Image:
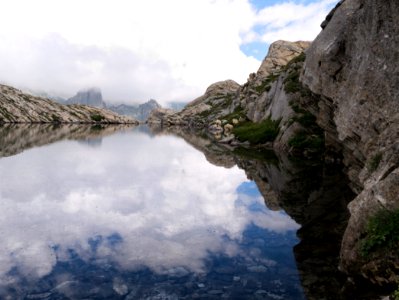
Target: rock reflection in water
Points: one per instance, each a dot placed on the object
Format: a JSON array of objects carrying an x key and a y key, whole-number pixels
[
  {"x": 136, "y": 218},
  {"x": 314, "y": 194}
]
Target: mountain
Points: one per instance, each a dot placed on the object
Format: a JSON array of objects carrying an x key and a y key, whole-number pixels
[
  {"x": 91, "y": 97},
  {"x": 19, "y": 107},
  {"x": 139, "y": 112},
  {"x": 336, "y": 99}
]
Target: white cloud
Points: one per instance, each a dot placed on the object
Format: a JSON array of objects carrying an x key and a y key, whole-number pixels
[
  {"x": 135, "y": 50},
  {"x": 289, "y": 21}
]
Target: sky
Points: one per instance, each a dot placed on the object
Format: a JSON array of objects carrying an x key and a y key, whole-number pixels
[{"x": 134, "y": 50}]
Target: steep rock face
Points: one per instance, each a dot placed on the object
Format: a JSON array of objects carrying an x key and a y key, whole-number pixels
[
  {"x": 263, "y": 95},
  {"x": 18, "y": 107},
  {"x": 140, "y": 112},
  {"x": 353, "y": 66},
  {"x": 91, "y": 97}
]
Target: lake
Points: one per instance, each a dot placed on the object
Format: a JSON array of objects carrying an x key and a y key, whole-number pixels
[{"x": 92, "y": 212}]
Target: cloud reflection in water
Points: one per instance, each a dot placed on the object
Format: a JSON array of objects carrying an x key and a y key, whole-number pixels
[{"x": 133, "y": 201}]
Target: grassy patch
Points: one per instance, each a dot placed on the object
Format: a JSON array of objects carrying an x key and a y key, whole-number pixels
[
  {"x": 375, "y": 162},
  {"x": 97, "y": 118},
  {"x": 257, "y": 133},
  {"x": 382, "y": 232},
  {"x": 303, "y": 141}
]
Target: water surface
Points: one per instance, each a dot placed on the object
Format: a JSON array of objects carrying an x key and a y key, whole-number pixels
[{"x": 130, "y": 215}]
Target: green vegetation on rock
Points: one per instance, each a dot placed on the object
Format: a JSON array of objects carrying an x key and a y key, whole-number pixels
[
  {"x": 382, "y": 232},
  {"x": 97, "y": 118},
  {"x": 304, "y": 141},
  {"x": 396, "y": 294},
  {"x": 257, "y": 133},
  {"x": 300, "y": 58},
  {"x": 291, "y": 82},
  {"x": 55, "y": 118},
  {"x": 238, "y": 113},
  {"x": 375, "y": 162},
  {"x": 265, "y": 86}
]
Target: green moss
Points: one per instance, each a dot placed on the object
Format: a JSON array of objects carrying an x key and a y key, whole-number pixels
[
  {"x": 303, "y": 141},
  {"x": 382, "y": 232},
  {"x": 375, "y": 162},
  {"x": 257, "y": 133},
  {"x": 97, "y": 118}
]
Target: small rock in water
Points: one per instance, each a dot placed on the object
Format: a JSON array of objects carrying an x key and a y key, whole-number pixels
[
  {"x": 236, "y": 278},
  {"x": 257, "y": 269},
  {"x": 38, "y": 296},
  {"x": 215, "y": 292},
  {"x": 201, "y": 285},
  {"x": 178, "y": 272},
  {"x": 120, "y": 287}
]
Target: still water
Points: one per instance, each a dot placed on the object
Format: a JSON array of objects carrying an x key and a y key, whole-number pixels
[{"x": 131, "y": 215}]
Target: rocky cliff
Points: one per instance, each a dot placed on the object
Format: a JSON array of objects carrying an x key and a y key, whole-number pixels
[
  {"x": 353, "y": 67},
  {"x": 18, "y": 107},
  {"x": 91, "y": 97}
]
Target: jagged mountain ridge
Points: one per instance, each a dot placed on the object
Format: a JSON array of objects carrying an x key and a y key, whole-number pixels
[{"x": 139, "y": 112}]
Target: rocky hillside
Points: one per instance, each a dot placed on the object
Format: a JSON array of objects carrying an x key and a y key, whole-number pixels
[
  {"x": 91, "y": 97},
  {"x": 338, "y": 99},
  {"x": 139, "y": 112},
  {"x": 266, "y": 108},
  {"x": 18, "y": 107}
]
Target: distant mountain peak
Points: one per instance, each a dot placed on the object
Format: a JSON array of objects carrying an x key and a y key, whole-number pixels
[{"x": 90, "y": 96}]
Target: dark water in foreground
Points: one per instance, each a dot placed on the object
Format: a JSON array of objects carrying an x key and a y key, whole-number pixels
[{"x": 103, "y": 213}]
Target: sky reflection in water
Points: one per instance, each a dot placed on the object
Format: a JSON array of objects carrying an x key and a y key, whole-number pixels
[{"x": 132, "y": 202}]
